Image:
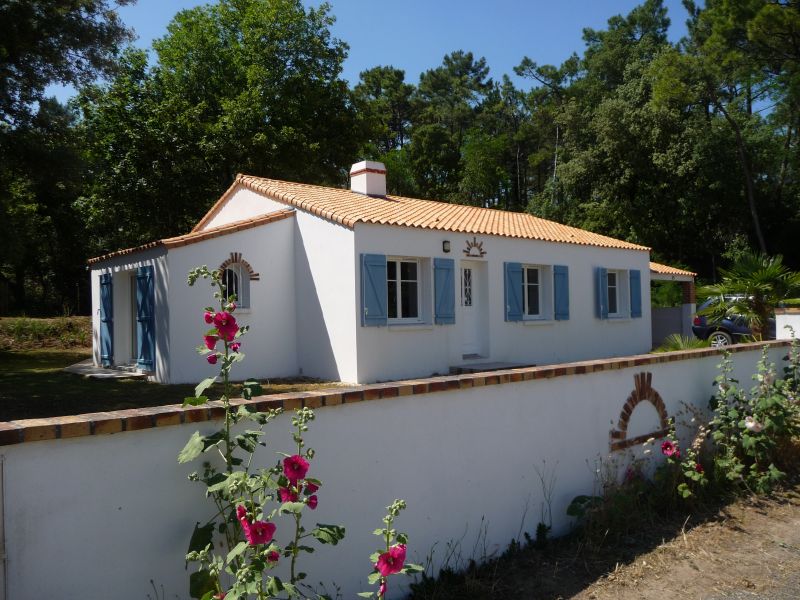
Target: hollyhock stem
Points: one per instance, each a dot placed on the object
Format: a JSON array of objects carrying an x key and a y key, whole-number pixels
[{"x": 295, "y": 550}]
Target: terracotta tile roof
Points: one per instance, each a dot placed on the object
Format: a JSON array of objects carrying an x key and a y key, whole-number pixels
[
  {"x": 348, "y": 208},
  {"x": 199, "y": 236},
  {"x": 667, "y": 270}
]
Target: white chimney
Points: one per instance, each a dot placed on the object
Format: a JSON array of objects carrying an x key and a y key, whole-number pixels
[{"x": 368, "y": 177}]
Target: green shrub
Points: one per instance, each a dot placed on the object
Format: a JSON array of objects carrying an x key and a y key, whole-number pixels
[{"x": 18, "y": 333}]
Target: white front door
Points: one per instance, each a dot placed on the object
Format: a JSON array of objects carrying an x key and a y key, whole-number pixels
[{"x": 470, "y": 309}]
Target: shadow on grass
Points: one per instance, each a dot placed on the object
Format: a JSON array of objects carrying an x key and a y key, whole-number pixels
[{"x": 33, "y": 385}]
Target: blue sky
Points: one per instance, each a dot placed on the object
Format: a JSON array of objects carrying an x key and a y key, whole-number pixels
[{"x": 414, "y": 35}]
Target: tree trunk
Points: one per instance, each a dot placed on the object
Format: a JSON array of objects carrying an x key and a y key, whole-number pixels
[
  {"x": 785, "y": 162},
  {"x": 748, "y": 177}
]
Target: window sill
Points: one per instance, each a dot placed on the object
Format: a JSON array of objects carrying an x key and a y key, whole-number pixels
[
  {"x": 619, "y": 319},
  {"x": 537, "y": 322},
  {"x": 410, "y": 327}
]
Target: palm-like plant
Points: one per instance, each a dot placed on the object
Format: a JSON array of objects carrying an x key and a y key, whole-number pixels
[{"x": 751, "y": 289}]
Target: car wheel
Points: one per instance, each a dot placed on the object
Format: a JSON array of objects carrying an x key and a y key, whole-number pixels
[{"x": 719, "y": 338}]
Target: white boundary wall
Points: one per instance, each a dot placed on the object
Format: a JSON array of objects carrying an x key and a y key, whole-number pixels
[{"x": 100, "y": 516}]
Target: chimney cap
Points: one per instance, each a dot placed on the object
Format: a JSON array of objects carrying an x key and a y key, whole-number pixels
[
  {"x": 368, "y": 177},
  {"x": 368, "y": 166}
]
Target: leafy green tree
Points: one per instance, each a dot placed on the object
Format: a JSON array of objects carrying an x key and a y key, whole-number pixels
[
  {"x": 384, "y": 102},
  {"x": 46, "y": 41},
  {"x": 752, "y": 288},
  {"x": 447, "y": 101},
  {"x": 237, "y": 86},
  {"x": 40, "y": 176}
]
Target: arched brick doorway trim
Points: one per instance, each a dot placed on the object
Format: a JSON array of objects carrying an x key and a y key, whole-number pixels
[{"x": 642, "y": 392}]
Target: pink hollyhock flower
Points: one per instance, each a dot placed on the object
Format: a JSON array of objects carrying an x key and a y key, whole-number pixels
[
  {"x": 226, "y": 325},
  {"x": 391, "y": 562},
  {"x": 260, "y": 532},
  {"x": 668, "y": 448},
  {"x": 677, "y": 455},
  {"x": 210, "y": 341},
  {"x": 295, "y": 467},
  {"x": 311, "y": 488},
  {"x": 235, "y": 346},
  {"x": 287, "y": 495},
  {"x": 209, "y": 317},
  {"x": 273, "y": 556},
  {"x": 241, "y": 513},
  {"x": 699, "y": 468},
  {"x": 220, "y": 596},
  {"x": 232, "y": 307},
  {"x": 382, "y": 590},
  {"x": 312, "y": 502},
  {"x": 212, "y": 359}
]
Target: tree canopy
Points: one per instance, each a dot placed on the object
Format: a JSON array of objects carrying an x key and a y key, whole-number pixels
[
  {"x": 49, "y": 41},
  {"x": 690, "y": 148}
]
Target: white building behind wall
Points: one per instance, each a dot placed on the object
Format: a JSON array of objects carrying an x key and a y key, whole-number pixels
[{"x": 358, "y": 286}]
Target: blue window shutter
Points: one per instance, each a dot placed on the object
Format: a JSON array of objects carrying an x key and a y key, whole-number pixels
[
  {"x": 513, "y": 291},
  {"x": 373, "y": 290},
  {"x": 445, "y": 291},
  {"x": 601, "y": 292},
  {"x": 636, "y": 293},
  {"x": 145, "y": 321},
  {"x": 106, "y": 320},
  {"x": 561, "y": 292}
]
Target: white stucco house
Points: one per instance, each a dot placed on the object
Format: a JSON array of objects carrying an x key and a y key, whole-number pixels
[{"x": 359, "y": 286}]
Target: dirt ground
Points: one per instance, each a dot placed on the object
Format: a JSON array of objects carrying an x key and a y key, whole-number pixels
[
  {"x": 746, "y": 550},
  {"x": 752, "y": 550}
]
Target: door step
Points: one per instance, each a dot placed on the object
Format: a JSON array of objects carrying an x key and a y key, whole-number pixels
[
  {"x": 487, "y": 366},
  {"x": 88, "y": 369}
]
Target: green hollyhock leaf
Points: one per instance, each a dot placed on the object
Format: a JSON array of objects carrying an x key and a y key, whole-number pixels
[
  {"x": 200, "y": 583},
  {"x": 328, "y": 534},
  {"x": 237, "y": 550},
  {"x": 193, "y": 448},
  {"x": 373, "y": 578},
  {"x": 292, "y": 507},
  {"x": 194, "y": 401},
  {"x": 204, "y": 385}
]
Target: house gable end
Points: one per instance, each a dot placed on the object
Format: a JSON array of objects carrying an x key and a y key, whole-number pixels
[{"x": 238, "y": 203}]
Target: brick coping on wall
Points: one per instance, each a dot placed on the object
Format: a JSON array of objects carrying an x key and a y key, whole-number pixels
[{"x": 73, "y": 426}]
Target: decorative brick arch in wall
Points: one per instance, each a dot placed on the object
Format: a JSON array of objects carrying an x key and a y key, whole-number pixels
[
  {"x": 642, "y": 392},
  {"x": 236, "y": 257}
]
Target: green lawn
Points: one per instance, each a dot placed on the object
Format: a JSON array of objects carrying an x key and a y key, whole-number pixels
[{"x": 33, "y": 385}]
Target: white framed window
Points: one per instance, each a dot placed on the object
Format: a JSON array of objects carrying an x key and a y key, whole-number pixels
[
  {"x": 532, "y": 287},
  {"x": 236, "y": 279},
  {"x": 403, "y": 290},
  {"x": 618, "y": 294},
  {"x": 537, "y": 292},
  {"x": 613, "y": 294}
]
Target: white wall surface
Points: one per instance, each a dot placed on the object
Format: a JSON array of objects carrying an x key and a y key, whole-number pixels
[
  {"x": 326, "y": 298},
  {"x": 400, "y": 351},
  {"x": 787, "y": 323},
  {"x": 122, "y": 267},
  {"x": 270, "y": 345},
  {"x": 243, "y": 204},
  {"x": 99, "y": 517}
]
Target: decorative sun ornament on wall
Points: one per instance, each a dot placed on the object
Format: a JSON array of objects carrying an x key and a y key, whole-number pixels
[{"x": 474, "y": 248}]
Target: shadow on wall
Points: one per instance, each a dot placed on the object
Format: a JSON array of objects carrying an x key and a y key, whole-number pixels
[
  {"x": 162, "y": 321},
  {"x": 315, "y": 355}
]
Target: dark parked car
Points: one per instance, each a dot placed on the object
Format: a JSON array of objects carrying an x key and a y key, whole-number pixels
[{"x": 729, "y": 330}]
